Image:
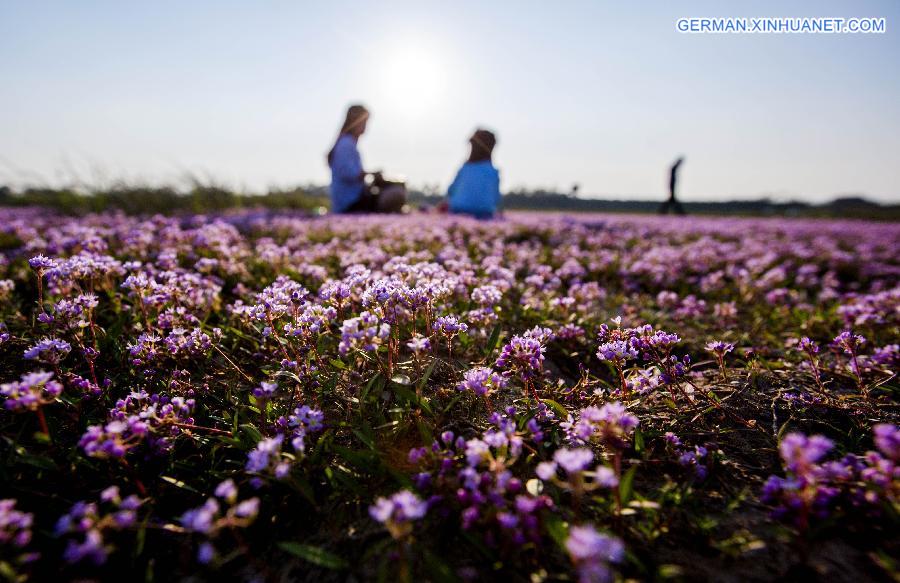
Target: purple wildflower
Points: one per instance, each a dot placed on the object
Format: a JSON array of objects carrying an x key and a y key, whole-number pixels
[
  {"x": 592, "y": 553},
  {"x": 398, "y": 512}
]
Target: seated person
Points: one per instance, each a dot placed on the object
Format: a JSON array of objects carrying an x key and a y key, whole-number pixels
[
  {"x": 349, "y": 192},
  {"x": 476, "y": 189}
]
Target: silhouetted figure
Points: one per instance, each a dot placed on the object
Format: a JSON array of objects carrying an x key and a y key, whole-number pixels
[
  {"x": 673, "y": 182},
  {"x": 476, "y": 189},
  {"x": 349, "y": 190}
]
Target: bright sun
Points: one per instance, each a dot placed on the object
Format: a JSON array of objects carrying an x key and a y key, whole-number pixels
[{"x": 413, "y": 80}]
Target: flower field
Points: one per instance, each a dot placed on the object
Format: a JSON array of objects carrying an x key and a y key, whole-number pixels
[{"x": 271, "y": 397}]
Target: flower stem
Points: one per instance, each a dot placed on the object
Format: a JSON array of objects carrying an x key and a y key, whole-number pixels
[
  {"x": 202, "y": 428},
  {"x": 43, "y": 421}
]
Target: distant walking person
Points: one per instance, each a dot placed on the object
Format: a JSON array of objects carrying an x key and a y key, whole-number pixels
[
  {"x": 476, "y": 189},
  {"x": 673, "y": 182},
  {"x": 349, "y": 191}
]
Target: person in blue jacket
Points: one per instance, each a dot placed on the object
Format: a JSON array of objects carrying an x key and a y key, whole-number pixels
[
  {"x": 349, "y": 193},
  {"x": 476, "y": 189}
]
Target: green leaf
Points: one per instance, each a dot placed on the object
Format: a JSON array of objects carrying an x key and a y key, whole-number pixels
[
  {"x": 783, "y": 428},
  {"x": 626, "y": 488},
  {"x": 343, "y": 479},
  {"x": 369, "y": 387},
  {"x": 141, "y": 538},
  {"x": 179, "y": 484},
  {"x": 288, "y": 374},
  {"x": 437, "y": 569},
  {"x": 638, "y": 440},
  {"x": 410, "y": 397},
  {"x": 8, "y": 572},
  {"x": 452, "y": 402},
  {"x": 303, "y": 486},
  {"x": 492, "y": 341},
  {"x": 315, "y": 555},
  {"x": 366, "y": 461},
  {"x": 556, "y": 407},
  {"x": 36, "y": 461},
  {"x": 252, "y": 432},
  {"x": 425, "y": 405},
  {"x": 558, "y": 530},
  {"x": 426, "y": 376},
  {"x": 338, "y": 363},
  {"x": 425, "y": 431},
  {"x": 365, "y": 435},
  {"x": 478, "y": 545}
]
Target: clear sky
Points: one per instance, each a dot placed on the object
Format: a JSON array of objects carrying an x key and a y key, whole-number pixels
[{"x": 597, "y": 92}]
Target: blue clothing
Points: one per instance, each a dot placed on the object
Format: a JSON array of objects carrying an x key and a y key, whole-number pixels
[
  {"x": 475, "y": 190},
  {"x": 347, "y": 182}
]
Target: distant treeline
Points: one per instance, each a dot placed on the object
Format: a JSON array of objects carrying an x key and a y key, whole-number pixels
[
  {"x": 206, "y": 198},
  {"x": 199, "y": 198},
  {"x": 845, "y": 207}
]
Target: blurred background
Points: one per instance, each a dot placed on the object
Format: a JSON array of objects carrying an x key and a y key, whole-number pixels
[{"x": 238, "y": 98}]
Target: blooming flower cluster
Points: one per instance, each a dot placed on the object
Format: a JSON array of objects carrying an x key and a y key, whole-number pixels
[
  {"x": 398, "y": 512},
  {"x": 814, "y": 489},
  {"x": 15, "y": 525},
  {"x": 364, "y": 332},
  {"x": 50, "y": 350},
  {"x": 115, "y": 438},
  {"x": 695, "y": 458},
  {"x": 449, "y": 326},
  {"x": 719, "y": 350},
  {"x": 268, "y": 458},
  {"x": 219, "y": 513},
  {"x": 419, "y": 345},
  {"x": 620, "y": 346},
  {"x": 88, "y": 525},
  {"x": 34, "y": 390},
  {"x": 523, "y": 355},
  {"x": 265, "y": 391},
  {"x": 179, "y": 343},
  {"x": 482, "y": 381},
  {"x": 610, "y": 425},
  {"x": 198, "y": 347},
  {"x": 593, "y": 553},
  {"x": 476, "y": 480},
  {"x": 575, "y": 464},
  {"x": 304, "y": 421},
  {"x": 135, "y": 419},
  {"x": 72, "y": 314}
]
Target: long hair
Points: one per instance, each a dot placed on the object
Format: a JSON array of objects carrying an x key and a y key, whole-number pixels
[{"x": 356, "y": 114}]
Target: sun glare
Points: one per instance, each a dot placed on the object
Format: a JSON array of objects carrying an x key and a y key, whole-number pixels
[{"x": 413, "y": 80}]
